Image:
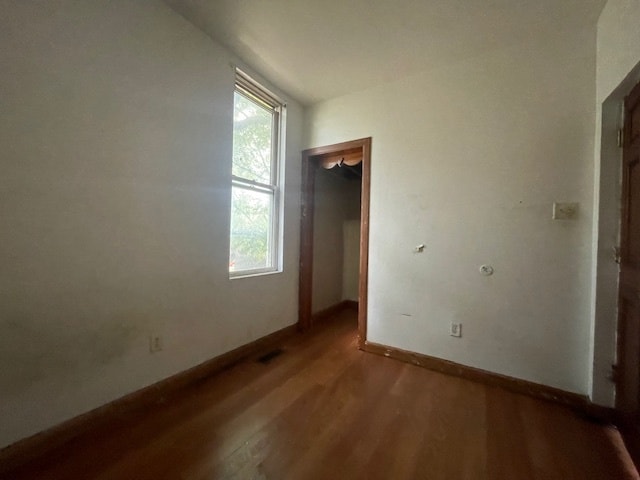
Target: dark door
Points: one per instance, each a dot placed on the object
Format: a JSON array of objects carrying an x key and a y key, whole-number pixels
[{"x": 628, "y": 377}]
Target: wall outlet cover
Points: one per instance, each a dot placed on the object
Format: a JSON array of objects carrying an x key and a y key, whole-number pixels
[
  {"x": 455, "y": 330},
  {"x": 565, "y": 210},
  {"x": 155, "y": 343}
]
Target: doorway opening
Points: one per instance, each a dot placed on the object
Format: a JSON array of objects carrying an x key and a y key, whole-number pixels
[{"x": 333, "y": 177}]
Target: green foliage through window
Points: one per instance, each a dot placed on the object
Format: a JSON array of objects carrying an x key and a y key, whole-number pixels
[{"x": 254, "y": 189}]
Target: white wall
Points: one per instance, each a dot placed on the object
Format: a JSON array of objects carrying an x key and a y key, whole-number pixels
[
  {"x": 351, "y": 245},
  {"x": 618, "y": 44},
  {"x": 618, "y": 70},
  {"x": 351, "y": 263},
  {"x": 468, "y": 160},
  {"x": 334, "y": 204},
  {"x": 115, "y": 129}
]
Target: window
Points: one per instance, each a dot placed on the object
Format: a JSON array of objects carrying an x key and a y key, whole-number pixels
[{"x": 255, "y": 188}]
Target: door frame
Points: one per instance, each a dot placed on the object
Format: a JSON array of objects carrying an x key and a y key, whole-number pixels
[{"x": 310, "y": 159}]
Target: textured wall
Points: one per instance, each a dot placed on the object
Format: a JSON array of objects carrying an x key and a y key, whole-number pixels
[
  {"x": 618, "y": 70},
  {"x": 115, "y": 129},
  {"x": 468, "y": 159}
]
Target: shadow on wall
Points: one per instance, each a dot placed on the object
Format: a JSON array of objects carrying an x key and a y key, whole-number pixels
[{"x": 30, "y": 354}]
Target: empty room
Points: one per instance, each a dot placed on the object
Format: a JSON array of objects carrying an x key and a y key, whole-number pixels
[{"x": 319, "y": 239}]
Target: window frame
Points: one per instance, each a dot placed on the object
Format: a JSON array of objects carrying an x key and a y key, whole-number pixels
[{"x": 258, "y": 94}]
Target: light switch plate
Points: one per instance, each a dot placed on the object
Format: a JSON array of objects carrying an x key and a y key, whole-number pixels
[{"x": 565, "y": 210}]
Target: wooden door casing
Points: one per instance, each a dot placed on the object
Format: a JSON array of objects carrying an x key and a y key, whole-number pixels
[{"x": 310, "y": 161}]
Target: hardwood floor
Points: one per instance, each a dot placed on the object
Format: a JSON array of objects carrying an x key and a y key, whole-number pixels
[{"x": 325, "y": 410}]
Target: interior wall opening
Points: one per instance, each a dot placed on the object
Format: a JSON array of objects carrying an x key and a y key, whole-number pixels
[
  {"x": 336, "y": 236},
  {"x": 334, "y": 247}
]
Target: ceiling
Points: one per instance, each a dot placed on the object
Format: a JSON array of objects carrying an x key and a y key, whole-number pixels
[{"x": 320, "y": 49}]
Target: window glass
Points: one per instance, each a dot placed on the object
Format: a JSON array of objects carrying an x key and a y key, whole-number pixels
[
  {"x": 255, "y": 189},
  {"x": 252, "y": 140},
  {"x": 251, "y": 214}
]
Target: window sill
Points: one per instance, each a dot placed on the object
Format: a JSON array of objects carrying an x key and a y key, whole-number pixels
[{"x": 252, "y": 274}]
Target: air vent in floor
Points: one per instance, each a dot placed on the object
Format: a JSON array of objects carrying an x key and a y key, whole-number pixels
[{"x": 266, "y": 358}]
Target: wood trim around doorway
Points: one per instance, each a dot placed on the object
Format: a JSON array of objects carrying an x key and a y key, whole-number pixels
[{"x": 310, "y": 159}]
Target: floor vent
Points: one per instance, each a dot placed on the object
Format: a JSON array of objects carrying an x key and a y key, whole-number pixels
[{"x": 266, "y": 358}]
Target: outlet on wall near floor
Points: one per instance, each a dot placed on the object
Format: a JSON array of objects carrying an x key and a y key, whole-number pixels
[
  {"x": 155, "y": 343},
  {"x": 455, "y": 330},
  {"x": 565, "y": 211}
]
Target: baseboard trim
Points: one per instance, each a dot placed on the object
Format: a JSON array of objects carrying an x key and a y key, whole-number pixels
[
  {"x": 334, "y": 310},
  {"x": 579, "y": 403},
  {"x": 40, "y": 444}
]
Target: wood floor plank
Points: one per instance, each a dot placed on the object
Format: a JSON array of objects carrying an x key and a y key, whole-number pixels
[{"x": 325, "y": 410}]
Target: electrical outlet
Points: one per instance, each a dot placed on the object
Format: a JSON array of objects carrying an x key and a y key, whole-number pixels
[
  {"x": 565, "y": 211},
  {"x": 155, "y": 343},
  {"x": 455, "y": 330}
]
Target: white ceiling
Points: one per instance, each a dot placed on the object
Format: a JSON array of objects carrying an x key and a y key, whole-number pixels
[{"x": 320, "y": 49}]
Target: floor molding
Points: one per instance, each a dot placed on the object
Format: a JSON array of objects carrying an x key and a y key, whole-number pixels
[
  {"x": 579, "y": 403},
  {"x": 21, "y": 452}
]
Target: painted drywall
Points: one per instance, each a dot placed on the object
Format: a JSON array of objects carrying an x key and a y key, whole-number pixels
[
  {"x": 357, "y": 44},
  {"x": 618, "y": 45},
  {"x": 468, "y": 160},
  {"x": 618, "y": 70},
  {"x": 336, "y": 200},
  {"x": 115, "y": 127},
  {"x": 351, "y": 245},
  {"x": 351, "y": 263}
]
